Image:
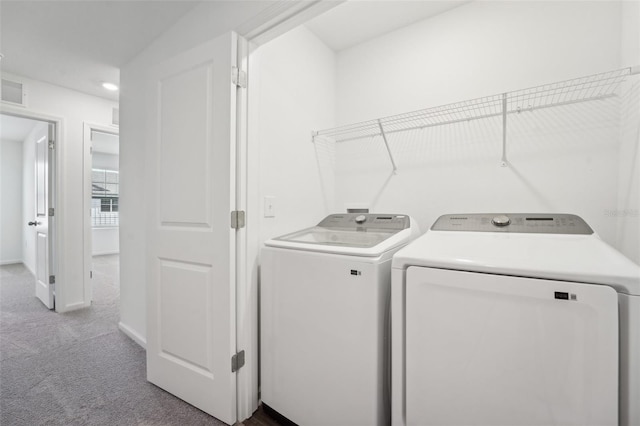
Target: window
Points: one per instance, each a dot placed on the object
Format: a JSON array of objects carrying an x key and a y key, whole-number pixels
[{"x": 104, "y": 194}]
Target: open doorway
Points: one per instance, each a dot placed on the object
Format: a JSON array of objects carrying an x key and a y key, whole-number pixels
[
  {"x": 27, "y": 204},
  {"x": 103, "y": 193}
]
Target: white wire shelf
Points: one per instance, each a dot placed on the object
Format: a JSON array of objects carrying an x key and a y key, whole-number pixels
[{"x": 588, "y": 88}]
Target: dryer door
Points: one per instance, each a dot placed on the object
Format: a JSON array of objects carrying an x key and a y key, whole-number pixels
[{"x": 490, "y": 349}]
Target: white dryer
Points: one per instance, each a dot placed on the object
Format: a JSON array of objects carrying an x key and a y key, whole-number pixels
[
  {"x": 519, "y": 319},
  {"x": 324, "y": 298}
]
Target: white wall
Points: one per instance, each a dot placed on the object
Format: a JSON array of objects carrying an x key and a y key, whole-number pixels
[
  {"x": 563, "y": 159},
  {"x": 289, "y": 107},
  {"x": 74, "y": 108},
  {"x": 29, "y": 194},
  {"x": 105, "y": 241},
  {"x": 11, "y": 202},
  {"x": 478, "y": 49}
]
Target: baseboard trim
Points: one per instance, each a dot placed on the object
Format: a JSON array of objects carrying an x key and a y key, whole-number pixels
[
  {"x": 71, "y": 307},
  {"x": 104, "y": 253},
  {"x": 10, "y": 262},
  {"x": 29, "y": 269},
  {"x": 136, "y": 337}
]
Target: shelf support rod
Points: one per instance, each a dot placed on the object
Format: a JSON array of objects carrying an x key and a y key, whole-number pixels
[
  {"x": 504, "y": 130},
  {"x": 386, "y": 144}
]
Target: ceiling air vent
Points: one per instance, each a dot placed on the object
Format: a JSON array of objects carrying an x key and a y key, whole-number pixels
[
  {"x": 115, "y": 117},
  {"x": 13, "y": 92}
]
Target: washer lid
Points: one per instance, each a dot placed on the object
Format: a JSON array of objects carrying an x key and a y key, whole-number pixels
[
  {"x": 578, "y": 258},
  {"x": 351, "y": 233}
]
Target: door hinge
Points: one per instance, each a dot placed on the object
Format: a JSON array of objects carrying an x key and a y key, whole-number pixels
[
  {"x": 237, "y": 361},
  {"x": 90, "y": 274},
  {"x": 239, "y": 77},
  {"x": 52, "y": 279},
  {"x": 52, "y": 144},
  {"x": 237, "y": 219},
  {"x": 52, "y": 211}
]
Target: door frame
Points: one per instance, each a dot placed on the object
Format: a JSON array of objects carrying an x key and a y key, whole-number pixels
[
  {"x": 276, "y": 20},
  {"x": 87, "y": 163},
  {"x": 56, "y": 226}
]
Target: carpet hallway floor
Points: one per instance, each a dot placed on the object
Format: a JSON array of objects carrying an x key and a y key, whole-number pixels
[{"x": 78, "y": 368}]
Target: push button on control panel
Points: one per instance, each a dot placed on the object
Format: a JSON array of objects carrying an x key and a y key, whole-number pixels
[{"x": 501, "y": 220}]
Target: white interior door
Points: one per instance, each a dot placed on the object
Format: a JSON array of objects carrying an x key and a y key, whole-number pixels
[
  {"x": 43, "y": 179},
  {"x": 191, "y": 297}
]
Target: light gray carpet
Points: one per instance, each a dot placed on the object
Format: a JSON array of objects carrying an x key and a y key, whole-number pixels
[{"x": 77, "y": 368}]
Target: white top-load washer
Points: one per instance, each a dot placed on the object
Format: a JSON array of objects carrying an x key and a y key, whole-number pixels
[
  {"x": 518, "y": 319},
  {"x": 324, "y": 297}
]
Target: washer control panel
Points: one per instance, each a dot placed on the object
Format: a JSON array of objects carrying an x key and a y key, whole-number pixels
[
  {"x": 533, "y": 223},
  {"x": 363, "y": 221}
]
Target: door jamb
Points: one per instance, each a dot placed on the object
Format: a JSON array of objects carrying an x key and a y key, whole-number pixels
[{"x": 56, "y": 255}]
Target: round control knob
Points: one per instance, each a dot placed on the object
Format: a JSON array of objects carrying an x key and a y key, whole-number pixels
[
  {"x": 501, "y": 220},
  {"x": 361, "y": 219}
]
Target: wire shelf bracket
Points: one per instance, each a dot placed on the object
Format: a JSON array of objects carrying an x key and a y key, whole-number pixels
[
  {"x": 592, "y": 87},
  {"x": 386, "y": 144}
]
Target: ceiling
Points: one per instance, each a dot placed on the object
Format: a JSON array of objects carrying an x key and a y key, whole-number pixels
[
  {"x": 15, "y": 128},
  {"x": 80, "y": 44},
  {"x": 355, "y": 22}
]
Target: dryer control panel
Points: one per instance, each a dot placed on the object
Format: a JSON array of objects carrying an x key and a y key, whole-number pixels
[
  {"x": 363, "y": 221},
  {"x": 528, "y": 223}
]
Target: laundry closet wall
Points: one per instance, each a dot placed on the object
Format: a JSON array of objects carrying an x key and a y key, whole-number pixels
[
  {"x": 561, "y": 159},
  {"x": 296, "y": 93}
]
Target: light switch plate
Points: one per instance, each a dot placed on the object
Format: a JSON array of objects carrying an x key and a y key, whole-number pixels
[{"x": 269, "y": 206}]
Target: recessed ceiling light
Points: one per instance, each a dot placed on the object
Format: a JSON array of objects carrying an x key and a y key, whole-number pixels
[{"x": 110, "y": 86}]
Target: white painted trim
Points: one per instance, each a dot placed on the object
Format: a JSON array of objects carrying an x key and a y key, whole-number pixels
[
  {"x": 30, "y": 270},
  {"x": 74, "y": 306},
  {"x": 87, "y": 229},
  {"x": 58, "y": 227},
  {"x": 10, "y": 262},
  {"x": 281, "y": 17},
  {"x": 133, "y": 335},
  {"x": 253, "y": 209},
  {"x": 246, "y": 325},
  {"x": 104, "y": 253}
]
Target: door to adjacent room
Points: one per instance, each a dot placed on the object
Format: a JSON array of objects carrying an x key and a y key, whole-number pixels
[
  {"x": 28, "y": 198},
  {"x": 44, "y": 215},
  {"x": 191, "y": 264}
]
